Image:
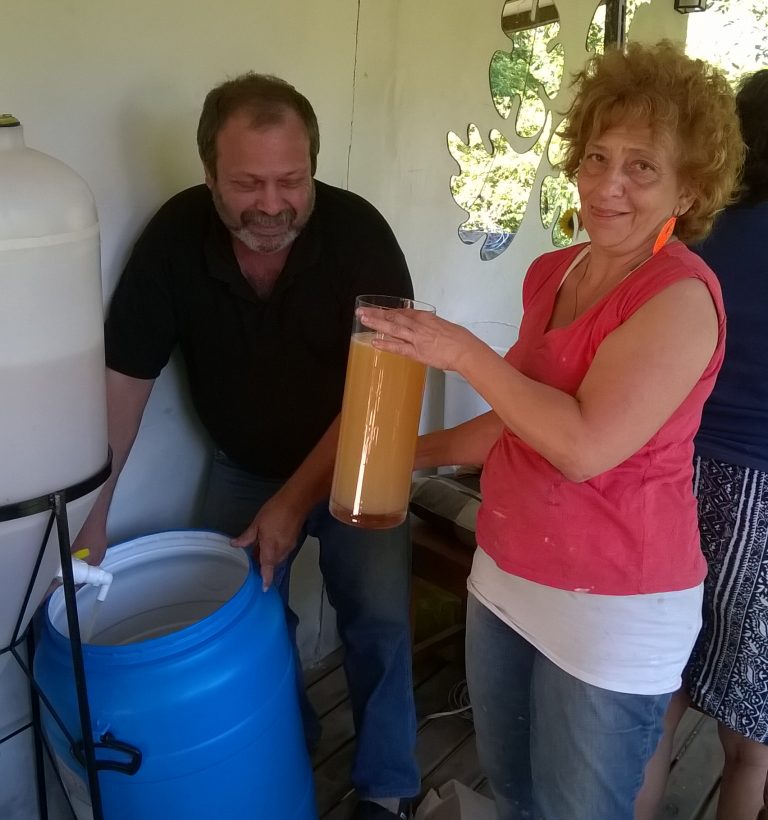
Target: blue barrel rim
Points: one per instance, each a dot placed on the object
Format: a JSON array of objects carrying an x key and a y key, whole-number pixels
[{"x": 149, "y": 649}]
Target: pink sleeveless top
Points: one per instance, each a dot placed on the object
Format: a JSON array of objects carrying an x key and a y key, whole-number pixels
[{"x": 632, "y": 529}]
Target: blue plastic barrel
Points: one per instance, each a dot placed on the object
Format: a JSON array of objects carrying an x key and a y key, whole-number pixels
[{"x": 191, "y": 682}]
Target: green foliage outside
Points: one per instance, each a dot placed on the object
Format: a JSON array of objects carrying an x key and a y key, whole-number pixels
[
  {"x": 494, "y": 186},
  {"x": 732, "y": 34}
]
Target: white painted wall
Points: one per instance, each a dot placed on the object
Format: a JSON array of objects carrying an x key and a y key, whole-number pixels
[
  {"x": 114, "y": 90},
  {"x": 116, "y": 95}
]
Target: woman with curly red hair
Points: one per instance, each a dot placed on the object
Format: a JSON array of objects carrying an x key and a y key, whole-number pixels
[{"x": 586, "y": 586}]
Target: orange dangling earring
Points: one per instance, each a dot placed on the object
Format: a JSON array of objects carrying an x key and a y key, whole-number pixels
[{"x": 666, "y": 231}]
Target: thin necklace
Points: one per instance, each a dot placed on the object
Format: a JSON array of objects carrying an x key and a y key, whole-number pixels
[
  {"x": 576, "y": 290},
  {"x": 586, "y": 271}
]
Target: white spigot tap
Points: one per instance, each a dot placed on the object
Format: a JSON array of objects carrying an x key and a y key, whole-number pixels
[{"x": 84, "y": 573}]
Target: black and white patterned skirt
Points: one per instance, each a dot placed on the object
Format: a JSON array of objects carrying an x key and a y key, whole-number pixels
[{"x": 728, "y": 672}]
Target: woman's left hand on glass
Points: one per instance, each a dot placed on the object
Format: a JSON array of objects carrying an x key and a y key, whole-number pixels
[{"x": 421, "y": 336}]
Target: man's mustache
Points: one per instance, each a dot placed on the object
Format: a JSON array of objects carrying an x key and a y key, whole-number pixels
[{"x": 258, "y": 219}]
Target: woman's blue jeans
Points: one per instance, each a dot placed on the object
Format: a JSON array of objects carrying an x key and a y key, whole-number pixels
[
  {"x": 553, "y": 747},
  {"x": 367, "y": 575}
]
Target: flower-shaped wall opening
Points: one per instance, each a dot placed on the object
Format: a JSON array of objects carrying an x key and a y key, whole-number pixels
[{"x": 528, "y": 87}]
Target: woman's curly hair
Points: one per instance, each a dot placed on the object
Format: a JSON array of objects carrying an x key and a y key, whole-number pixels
[{"x": 687, "y": 99}]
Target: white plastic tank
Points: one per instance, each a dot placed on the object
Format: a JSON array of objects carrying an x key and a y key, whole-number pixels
[{"x": 53, "y": 425}]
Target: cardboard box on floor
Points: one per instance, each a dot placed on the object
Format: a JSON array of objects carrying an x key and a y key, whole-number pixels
[{"x": 454, "y": 801}]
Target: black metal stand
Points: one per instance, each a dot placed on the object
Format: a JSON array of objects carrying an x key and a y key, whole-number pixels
[{"x": 56, "y": 505}]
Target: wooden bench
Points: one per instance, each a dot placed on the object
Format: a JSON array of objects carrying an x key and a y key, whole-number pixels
[{"x": 441, "y": 559}]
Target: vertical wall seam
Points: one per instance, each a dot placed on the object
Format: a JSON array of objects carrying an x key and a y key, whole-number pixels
[{"x": 354, "y": 92}]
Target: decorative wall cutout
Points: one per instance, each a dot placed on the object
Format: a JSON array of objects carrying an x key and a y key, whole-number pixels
[{"x": 494, "y": 186}]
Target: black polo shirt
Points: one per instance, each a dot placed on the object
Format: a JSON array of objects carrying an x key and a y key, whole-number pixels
[{"x": 266, "y": 377}]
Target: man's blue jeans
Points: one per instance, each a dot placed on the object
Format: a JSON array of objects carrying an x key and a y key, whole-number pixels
[
  {"x": 552, "y": 746},
  {"x": 367, "y": 577}
]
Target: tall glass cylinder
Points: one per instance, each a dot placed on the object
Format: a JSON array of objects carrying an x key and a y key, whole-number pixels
[{"x": 380, "y": 416}]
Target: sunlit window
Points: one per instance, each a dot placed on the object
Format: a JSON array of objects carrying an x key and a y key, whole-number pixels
[{"x": 732, "y": 34}]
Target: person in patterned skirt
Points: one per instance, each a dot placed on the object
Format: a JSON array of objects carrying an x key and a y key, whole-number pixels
[
  {"x": 728, "y": 671},
  {"x": 727, "y": 675}
]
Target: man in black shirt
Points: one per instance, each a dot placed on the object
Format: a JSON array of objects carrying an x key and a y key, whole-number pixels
[{"x": 254, "y": 275}]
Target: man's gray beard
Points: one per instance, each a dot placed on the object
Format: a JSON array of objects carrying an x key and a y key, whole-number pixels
[
  {"x": 262, "y": 244},
  {"x": 266, "y": 244}
]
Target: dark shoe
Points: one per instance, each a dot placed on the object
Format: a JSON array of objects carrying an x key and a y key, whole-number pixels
[{"x": 367, "y": 810}]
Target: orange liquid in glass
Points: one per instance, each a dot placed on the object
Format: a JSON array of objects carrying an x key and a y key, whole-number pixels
[{"x": 377, "y": 439}]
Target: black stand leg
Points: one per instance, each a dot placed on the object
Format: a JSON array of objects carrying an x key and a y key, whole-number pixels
[
  {"x": 56, "y": 504},
  {"x": 62, "y": 526},
  {"x": 42, "y": 797}
]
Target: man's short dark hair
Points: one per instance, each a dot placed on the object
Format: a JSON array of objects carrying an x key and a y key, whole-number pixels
[{"x": 265, "y": 99}]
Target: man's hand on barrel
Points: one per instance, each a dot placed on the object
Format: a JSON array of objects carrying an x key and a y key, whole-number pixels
[{"x": 273, "y": 534}]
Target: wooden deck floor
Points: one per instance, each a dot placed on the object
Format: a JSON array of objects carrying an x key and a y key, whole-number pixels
[{"x": 446, "y": 746}]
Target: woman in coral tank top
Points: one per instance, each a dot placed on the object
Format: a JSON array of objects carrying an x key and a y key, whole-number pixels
[{"x": 586, "y": 585}]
